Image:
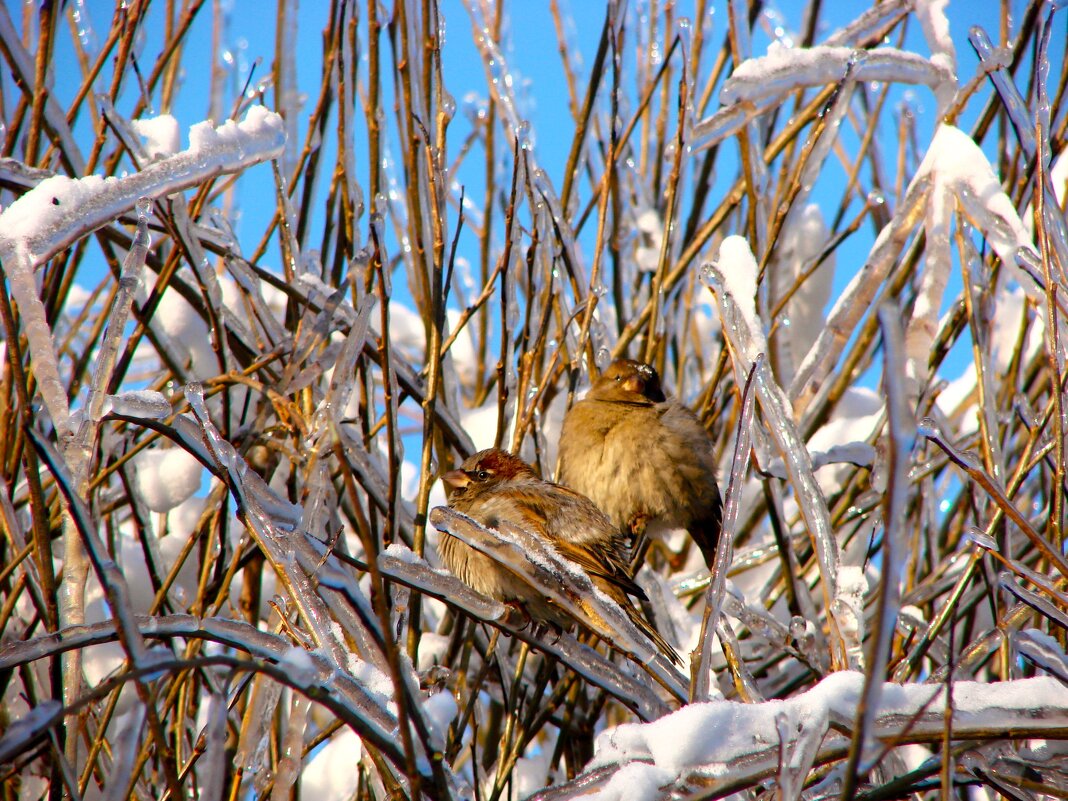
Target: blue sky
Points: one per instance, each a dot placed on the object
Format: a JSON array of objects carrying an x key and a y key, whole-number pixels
[{"x": 532, "y": 50}]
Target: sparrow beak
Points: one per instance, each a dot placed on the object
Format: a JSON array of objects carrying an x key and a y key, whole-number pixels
[{"x": 457, "y": 479}]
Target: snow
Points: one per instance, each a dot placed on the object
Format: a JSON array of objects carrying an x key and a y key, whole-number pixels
[
  {"x": 464, "y": 355},
  {"x": 59, "y": 210},
  {"x": 801, "y": 241},
  {"x": 786, "y": 68},
  {"x": 204, "y": 137},
  {"x": 188, "y": 333},
  {"x": 440, "y": 710},
  {"x": 932, "y": 18},
  {"x": 51, "y": 200},
  {"x": 843, "y": 438},
  {"x": 481, "y": 423},
  {"x": 402, "y": 553},
  {"x": 161, "y": 135},
  {"x": 331, "y": 774},
  {"x": 739, "y": 269},
  {"x": 849, "y": 611},
  {"x": 679, "y": 743},
  {"x": 647, "y": 255},
  {"x": 955, "y": 162},
  {"x": 635, "y": 782},
  {"x": 166, "y": 477},
  {"x": 298, "y": 664}
]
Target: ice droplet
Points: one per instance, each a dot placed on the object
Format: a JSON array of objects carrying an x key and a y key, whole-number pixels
[
  {"x": 928, "y": 427},
  {"x": 448, "y": 106},
  {"x": 709, "y": 276},
  {"x": 980, "y": 538},
  {"x": 524, "y": 136},
  {"x": 971, "y": 459}
]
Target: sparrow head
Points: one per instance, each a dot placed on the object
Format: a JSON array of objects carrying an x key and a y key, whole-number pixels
[
  {"x": 485, "y": 470},
  {"x": 628, "y": 380}
]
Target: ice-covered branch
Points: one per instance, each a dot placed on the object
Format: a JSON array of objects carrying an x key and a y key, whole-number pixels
[
  {"x": 61, "y": 210},
  {"x": 733, "y": 280},
  {"x": 402, "y": 565},
  {"x": 538, "y": 564},
  {"x": 676, "y": 749},
  {"x": 785, "y": 69}
]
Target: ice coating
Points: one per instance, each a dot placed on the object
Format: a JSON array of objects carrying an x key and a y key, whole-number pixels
[
  {"x": 748, "y": 733},
  {"x": 956, "y": 163},
  {"x": 59, "y": 210},
  {"x": 786, "y": 68},
  {"x": 935, "y": 26},
  {"x": 143, "y": 403},
  {"x": 739, "y": 269}
]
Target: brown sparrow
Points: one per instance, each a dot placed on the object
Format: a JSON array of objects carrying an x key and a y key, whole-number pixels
[
  {"x": 646, "y": 461},
  {"x": 494, "y": 487}
]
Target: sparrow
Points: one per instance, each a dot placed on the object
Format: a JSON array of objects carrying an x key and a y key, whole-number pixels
[
  {"x": 644, "y": 459},
  {"x": 494, "y": 487}
]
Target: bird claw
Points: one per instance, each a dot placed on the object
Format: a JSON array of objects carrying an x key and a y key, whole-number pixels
[
  {"x": 517, "y": 615},
  {"x": 542, "y": 630}
]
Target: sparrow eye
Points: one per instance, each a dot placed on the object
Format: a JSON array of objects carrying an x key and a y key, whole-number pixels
[{"x": 482, "y": 475}]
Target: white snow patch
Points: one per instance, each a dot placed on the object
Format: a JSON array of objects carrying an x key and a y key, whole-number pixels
[
  {"x": 166, "y": 477},
  {"x": 331, "y": 774},
  {"x": 188, "y": 332},
  {"x": 59, "y": 210},
  {"x": 439, "y": 710},
  {"x": 402, "y": 553},
  {"x": 259, "y": 121},
  {"x": 1058, "y": 177},
  {"x": 432, "y": 648},
  {"x": 637, "y": 781},
  {"x": 161, "y": 135},
  {"x": 802, "y": 318},
  {"x": 50, "y": 200},
  {"x": 464, "y": 355},
  {"x": 955, "y": 162},
  {"x": 298, "y": 664},
  {"x": 531, "y": 772},
  {"x": 481, "y": 423},
  {"x": 786, "y": 68},
  {"x": 935, "y": 25},
  {"x": 680, "y": 743},
  {"x": 739, "y": 270},
  {"x": 849, "y": 609}
]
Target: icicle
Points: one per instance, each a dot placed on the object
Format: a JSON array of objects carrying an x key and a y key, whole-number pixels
[
  {"x": 211, "y": 773},
  {"x": 292, "y": 749}
]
